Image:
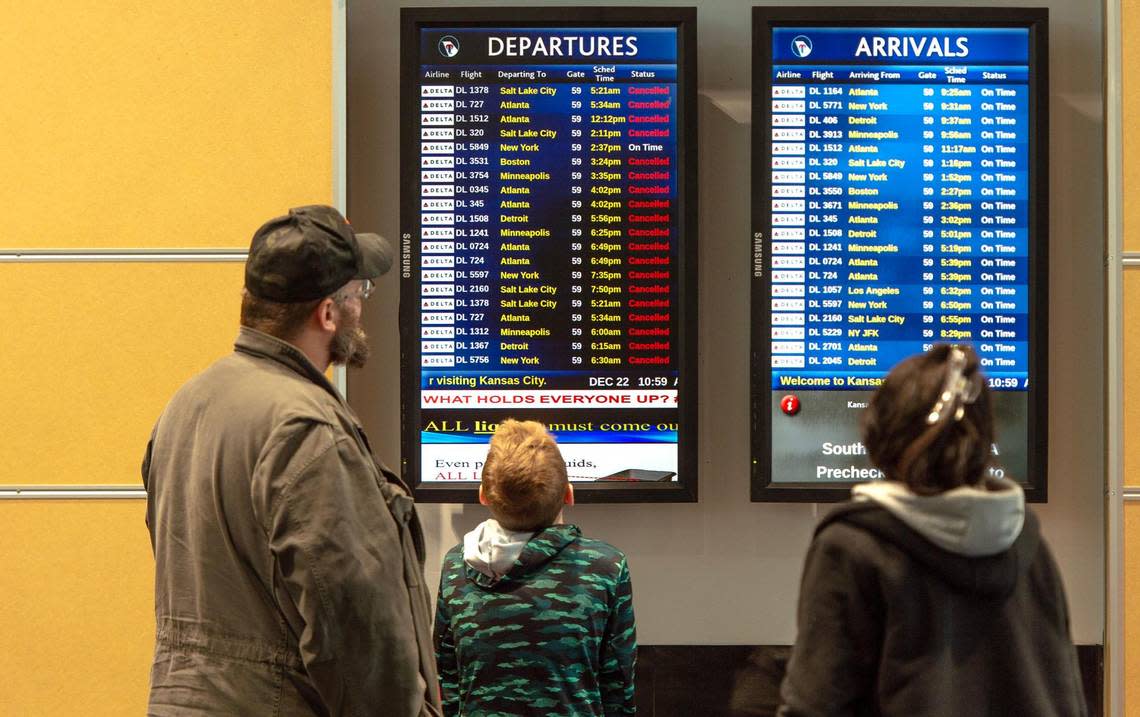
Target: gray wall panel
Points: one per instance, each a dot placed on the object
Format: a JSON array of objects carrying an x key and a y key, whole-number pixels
[{"x": 724, "y": 570}]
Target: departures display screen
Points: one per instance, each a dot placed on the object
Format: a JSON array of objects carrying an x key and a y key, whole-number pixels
[
  {"x": 548, "y": 245},
  {"x": 899, "y": 180}
]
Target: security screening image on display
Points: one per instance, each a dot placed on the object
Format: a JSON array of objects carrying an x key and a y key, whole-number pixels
[
  {"x": 899, "y": 178},
  {"x": 548, "y": 255}
]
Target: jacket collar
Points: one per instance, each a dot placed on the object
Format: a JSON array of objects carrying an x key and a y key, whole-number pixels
[
  {"x": 261, "y": 345},
  {"x": 256, "y": 343},
  {"x": 492, "y": 549},
  {"x": 543, "y": 546},
  {"x": 970, "y": 520},
  {"x": 990, "y": 576}
]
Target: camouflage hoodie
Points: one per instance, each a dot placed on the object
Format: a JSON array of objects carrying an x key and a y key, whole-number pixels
[{"x": 552, "y": 635}]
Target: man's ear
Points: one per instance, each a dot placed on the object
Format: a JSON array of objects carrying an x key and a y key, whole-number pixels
[
  {"x": 326, "y": 315},
  {"x": 482, "y": 498},
  {"x": 568, "y": 499}
]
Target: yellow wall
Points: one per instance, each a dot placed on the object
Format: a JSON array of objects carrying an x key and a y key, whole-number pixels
[
  {"x": 1131, "y": 613},
  {"x": 101, "y": 349},
  {"x": 1130, "y": 16},
  {"x": 132, "y": 126},
  {"x": 1132, "y": 376},
  {"x": 77, "y": 627},
  {"x": 1131, "y": 557},
  {"x": 161, "y": 124},
  {"x": 1130, "y": 117}
]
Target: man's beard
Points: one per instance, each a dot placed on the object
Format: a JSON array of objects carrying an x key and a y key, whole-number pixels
[{"x": 349, "y": 346}]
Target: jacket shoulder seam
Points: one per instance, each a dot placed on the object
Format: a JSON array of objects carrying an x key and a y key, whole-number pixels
[{"x": 286, "y": 488}]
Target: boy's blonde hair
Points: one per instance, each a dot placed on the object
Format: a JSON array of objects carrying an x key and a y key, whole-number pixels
[{"x": 524, "y": 478}]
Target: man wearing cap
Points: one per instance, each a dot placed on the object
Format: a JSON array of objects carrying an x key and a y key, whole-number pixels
[{"x": 288, "y": 559}]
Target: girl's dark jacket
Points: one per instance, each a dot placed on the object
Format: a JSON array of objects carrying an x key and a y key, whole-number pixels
[{"x": 890, "y": 624}]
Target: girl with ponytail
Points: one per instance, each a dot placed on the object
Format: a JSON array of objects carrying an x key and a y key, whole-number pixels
[{"x": 932, "y": 592}]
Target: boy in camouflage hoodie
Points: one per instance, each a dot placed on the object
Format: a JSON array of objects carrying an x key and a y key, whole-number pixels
[{"x": 532, "y": 618}]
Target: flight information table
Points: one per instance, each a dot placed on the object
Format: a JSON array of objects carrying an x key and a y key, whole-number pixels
[
  {"x": 900, "y": 213},
  {"x": 546, "y": 260},
  {"x": 896, "y": 206}
]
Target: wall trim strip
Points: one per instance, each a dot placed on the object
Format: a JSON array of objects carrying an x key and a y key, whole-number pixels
[
  {"x": 70, "y": 492},
  {"x": 1116, "y": 261},
  {"x": 121, "y": 255},
  {"x": 340, "y": 134}
]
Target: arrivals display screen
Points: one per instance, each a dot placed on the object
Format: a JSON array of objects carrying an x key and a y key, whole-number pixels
[
  {"x": 548, "y": 249},
  {"x": 899, "y": 200}
]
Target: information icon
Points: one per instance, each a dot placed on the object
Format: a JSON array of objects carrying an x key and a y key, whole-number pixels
[{"x": 790, "y": 405}]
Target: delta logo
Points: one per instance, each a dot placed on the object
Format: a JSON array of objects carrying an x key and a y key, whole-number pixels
[
  {"x": 448, "y": 46},
  {"x": 801, "y": 46}
]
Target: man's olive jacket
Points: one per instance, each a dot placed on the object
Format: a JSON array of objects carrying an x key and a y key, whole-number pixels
[{"x": 288, "y": 560}]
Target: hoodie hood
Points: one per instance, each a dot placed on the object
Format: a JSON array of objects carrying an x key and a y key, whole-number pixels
[
  {"x": 994, "y": 575},
  {"x": 970, "y": 520},
  {"x": 493, "y": 554},
  {"x": 491, "y": 549}
]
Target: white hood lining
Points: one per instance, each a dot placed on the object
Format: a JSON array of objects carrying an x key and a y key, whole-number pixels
[
  {"x": 492, "y": 550},
  {"x": 973, "y": 521}
]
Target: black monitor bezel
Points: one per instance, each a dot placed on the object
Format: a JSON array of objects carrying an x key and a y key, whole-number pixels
[
  {"x": 763, "y": 488},
  {"x": 685, "y": 20}
]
